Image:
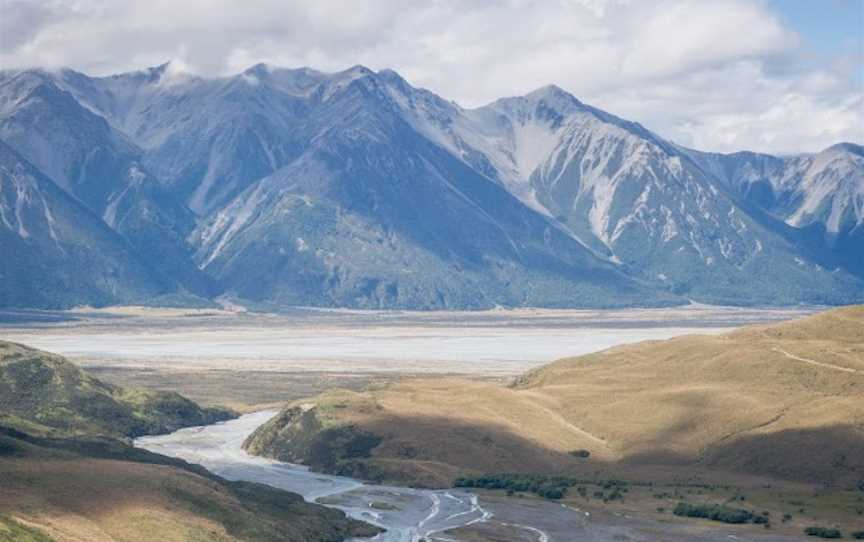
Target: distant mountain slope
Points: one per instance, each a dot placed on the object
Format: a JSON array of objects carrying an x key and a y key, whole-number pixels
[
  {"x": 822, "y": 194},
  {"x": 100, "y": 167},
  {"x": 784, "y": 400},
  {"x": 823, "y": 188},
  {"x": 643, "y": 202},
  {"x": 373, "y": 215},
  {"x": 404, "y": 194},
  {"x": 207, "y": 139},
  {"x": 56, "y": 253}
]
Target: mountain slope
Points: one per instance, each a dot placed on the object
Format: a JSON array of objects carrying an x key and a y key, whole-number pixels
[
  {"x": 286, "y": 186},
  {"x": 373, "y": 215},
  {"x": 785, "y": 400},
  {"x": 206, "y": 139},
  {"x": 639, "y": 200},
  {"x": 58, "y": 254},
  {"x": 100, "y": 167},
  {"x": 820, "y": 195}
]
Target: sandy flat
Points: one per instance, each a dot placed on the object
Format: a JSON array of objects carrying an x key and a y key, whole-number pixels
[{"x": 489, "y": 343}]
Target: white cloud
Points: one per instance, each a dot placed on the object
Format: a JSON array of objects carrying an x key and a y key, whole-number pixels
[
  {"x": 703, "y": 72},
  {"x": 679, "y": 37},
  {"x": 782, "y": 125}
]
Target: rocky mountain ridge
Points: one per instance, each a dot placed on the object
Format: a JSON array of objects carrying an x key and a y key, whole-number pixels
[{"x": 297, "y": 187}]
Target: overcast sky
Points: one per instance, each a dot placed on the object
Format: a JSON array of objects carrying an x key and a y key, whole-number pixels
[{"x": 776, "y": 76}]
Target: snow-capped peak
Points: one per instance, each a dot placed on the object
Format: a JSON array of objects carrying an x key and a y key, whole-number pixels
[
  {"x": 554, "y": 96},
  {"x": 260, "y": 68},
  {"x": 829, "y": 186},
  {"x": 171, "y": 73},
  {"x": 846, "y": 147}
]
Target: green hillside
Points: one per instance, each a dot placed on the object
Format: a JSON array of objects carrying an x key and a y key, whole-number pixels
[
  {"x": 67, "y": 472},
  {"x": 46, "y": 389}
]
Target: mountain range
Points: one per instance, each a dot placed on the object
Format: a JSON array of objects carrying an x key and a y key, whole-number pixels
[{"x": 282, "y": 187}]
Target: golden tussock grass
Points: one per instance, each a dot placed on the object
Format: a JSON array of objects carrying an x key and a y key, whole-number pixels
[{"x": 784, "y": 400}]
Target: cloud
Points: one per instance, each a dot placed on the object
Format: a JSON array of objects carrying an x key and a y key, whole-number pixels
[{"x": 720, "y": 75}]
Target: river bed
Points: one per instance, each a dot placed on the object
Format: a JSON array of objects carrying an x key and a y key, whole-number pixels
[
  {"x": 499, "y": 343},
  {"x": 418, "y": 515}
]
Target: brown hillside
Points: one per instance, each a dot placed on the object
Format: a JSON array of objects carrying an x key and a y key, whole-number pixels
[
  {"x": 783, "y": 400},
  {"x": 102, "y": 500}
]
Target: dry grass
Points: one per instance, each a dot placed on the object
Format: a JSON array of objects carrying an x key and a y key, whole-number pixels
[
  {"x": 103, "y": 500},
  {"x": 149, "y": 312},
  {"x": 785, "y": 401},
  {"x": 86, "y": 499},
  {"x": 241, "y": 391}
]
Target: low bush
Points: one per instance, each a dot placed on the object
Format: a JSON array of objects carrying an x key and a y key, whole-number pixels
[
  {"x": 714, "y": 512},
  {"x": 549, "y": 487},
  {"x": 823, "y": 532}
]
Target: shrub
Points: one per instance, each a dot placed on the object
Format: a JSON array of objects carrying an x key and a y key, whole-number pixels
[
  {"x": 584, "y": 454},
  {"x": 551, "y": 492},
  {"x": 616, "y": 495},
  {"x": 549, "y": 487},
  {"x": 858, "y": 535},
  {"x": 714, "y": 512},
  {"x": 823, "y": 532}
]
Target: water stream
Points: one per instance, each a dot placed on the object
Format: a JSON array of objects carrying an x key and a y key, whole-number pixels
[
  {"x": 409, "y": 515},
  {"x": 418, "y": 515}
]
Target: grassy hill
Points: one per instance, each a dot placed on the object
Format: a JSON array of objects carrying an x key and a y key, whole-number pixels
[
  {"x": 784, "y": 401},
  {"x": 48, "y": 390},
  {"x": 67, "y": 475},
  {"x": 99, "y": 489}
]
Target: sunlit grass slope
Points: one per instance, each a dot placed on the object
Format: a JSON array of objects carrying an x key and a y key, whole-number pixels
[{"x": 784, "y": 400}]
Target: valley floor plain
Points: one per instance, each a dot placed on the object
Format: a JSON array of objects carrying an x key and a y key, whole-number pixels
[
  {"x": 253, "y": 361},
  {"x": 246, "y": 360}
]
